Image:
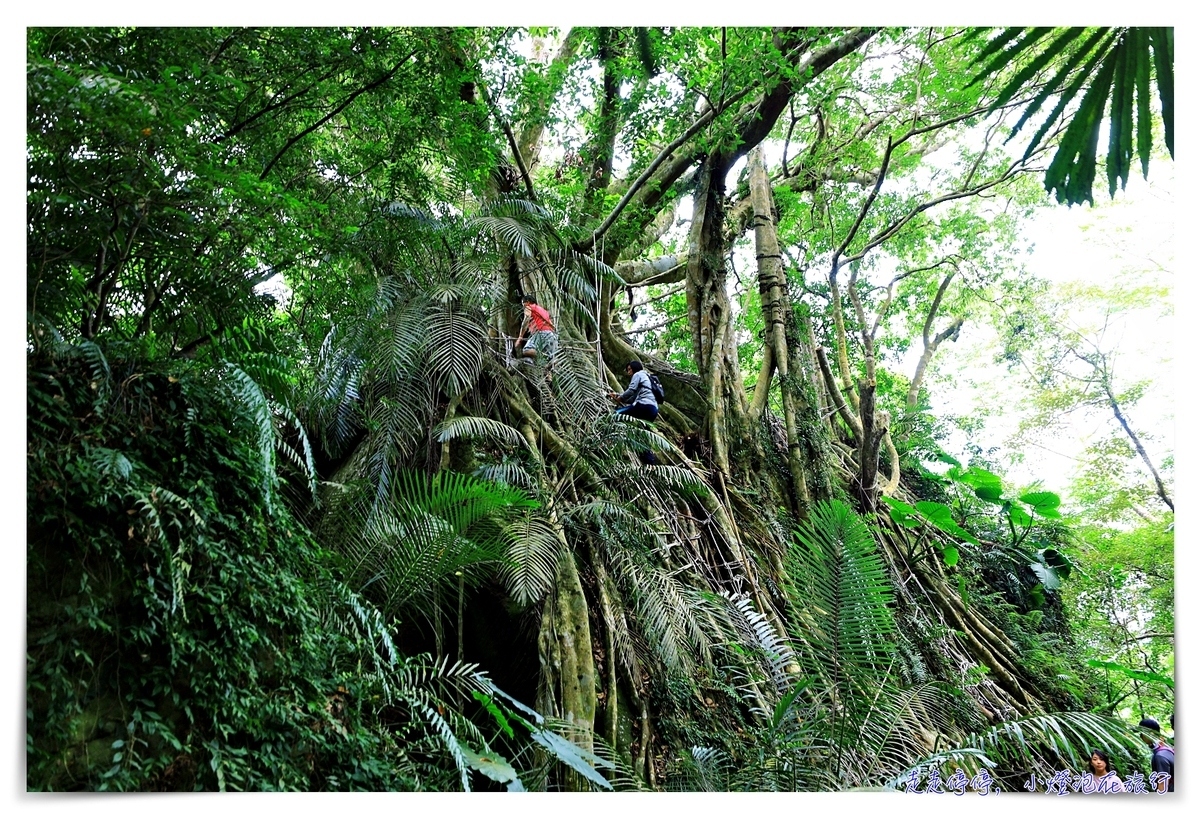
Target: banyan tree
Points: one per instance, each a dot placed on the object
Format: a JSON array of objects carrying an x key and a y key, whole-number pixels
[{"x": 336, "y": 227}]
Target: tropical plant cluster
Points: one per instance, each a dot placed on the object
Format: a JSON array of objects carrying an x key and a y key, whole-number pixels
[{"x": 301, "y": 516}]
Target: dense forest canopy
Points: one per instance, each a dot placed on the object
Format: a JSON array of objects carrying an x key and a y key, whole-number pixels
[{"x": 309, "y": 508}]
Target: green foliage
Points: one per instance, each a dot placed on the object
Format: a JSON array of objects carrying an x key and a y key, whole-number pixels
[
  {"x": 1042, "y": 745},
  {"x": 175, "y": 171},
  {"x": 1106, "y": 66},
  {"x": 429, "y": 534},
  {"x": 182, "y": 634},
  {"x": 835, "y": 716},
  {"x": 1139, "y": 675},
  {"x": 175, "y": 636},
  {"x": 241, "y": 237},
  {"x": 835, "y": 556},
  {"x": 1122, "y": 600}
]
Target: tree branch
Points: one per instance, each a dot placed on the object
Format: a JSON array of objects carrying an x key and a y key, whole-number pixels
[
  {"x": 512, "y": 141},
  {"x": 341, "y": 107}
]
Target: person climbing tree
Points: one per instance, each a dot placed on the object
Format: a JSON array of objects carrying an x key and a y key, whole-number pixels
[
  {"x": 543, "y": 336},
  {"x": 637, "y": 401}
]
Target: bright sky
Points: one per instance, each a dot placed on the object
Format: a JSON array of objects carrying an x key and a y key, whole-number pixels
[{"x": 1129, "y": 240}]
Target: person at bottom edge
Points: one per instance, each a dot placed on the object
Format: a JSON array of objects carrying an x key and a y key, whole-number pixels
[
  {"x": 1101, "y": 776},
  {"x": 1162, "y": 756},
  {"x": 638, "y": 401}
]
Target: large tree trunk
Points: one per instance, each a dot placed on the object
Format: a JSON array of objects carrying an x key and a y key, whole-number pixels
[
  {"x": 736, "y": 450},
  {"x": 777, "y": 318},
  {"x": 567, "y": 687}
]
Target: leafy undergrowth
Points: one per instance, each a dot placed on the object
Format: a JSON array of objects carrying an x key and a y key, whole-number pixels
[{"x": 183, "y": 631}]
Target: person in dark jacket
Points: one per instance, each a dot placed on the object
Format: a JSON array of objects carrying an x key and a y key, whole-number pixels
[
  {"x": 1162, "y": 757},
  {"x": 637, "y": 401}
]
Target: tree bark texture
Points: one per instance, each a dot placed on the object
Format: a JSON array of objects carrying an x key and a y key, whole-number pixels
[{"x": 568, "y": 684}]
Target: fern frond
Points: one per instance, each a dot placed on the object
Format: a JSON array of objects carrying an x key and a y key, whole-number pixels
[
  {"x": 249, "y": 398},
  {"x": 97, "y": 363},
  {"x": 774, "y": 647},
  {"x": 110, "y": 463},
  {"x": 43, "y": 336},
  {"x": 484, "y": 429},
  {"x": 532, "y": 557},
  {"x": 845, "y": 598}
]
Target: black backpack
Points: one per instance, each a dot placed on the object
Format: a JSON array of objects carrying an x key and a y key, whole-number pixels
[{"x": 656, "y": 389}]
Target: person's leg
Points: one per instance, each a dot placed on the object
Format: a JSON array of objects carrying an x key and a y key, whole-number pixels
[
  {"x": 541, "y": 346},
  {"x": 530, "y": 350},
  {"x": 643, "y": 411}
]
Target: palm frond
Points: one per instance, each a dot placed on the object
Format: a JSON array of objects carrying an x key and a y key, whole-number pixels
[
  {"x": 334, "y": 401},
  {"x": 1045, "y": 743},
  {"x": 44, "y": 336},
  {"x": 615, "y": 523},
  {"x": 405, "y": 210},
  {"x": 424, "y": 534},
  {"x": 899, "y": 725},
  {"x": 421, "y": 686},
  {"x": 483, "y": 429},
  {"x": 1114, "y": 65},
  {"x": 664, "y": 608},
  {"x": 455, "y": 347},
  {"x": 516, "y": 207},
  {"x": 555, "y": 737},
  {"x": 249, "y": 398},
  {"x": 1093, "y": 49},
  {"x": 706, "y": 769},
  {"x": 508, "y": 233},
  {"x": 970, "y": 761},
  {"x": 302, "y": 458},
  {"x": 532, "y": 556},
  {"x": 1162, "y": 43},
  {"x": 576, "y": 390},
  {"x": 401, "y": 350},
  {"x": 396, "y": 421},
  {"x": 589, "y": 266},
  {"x": 460, "y": 499},
  {"x": 509, "y": 472}
]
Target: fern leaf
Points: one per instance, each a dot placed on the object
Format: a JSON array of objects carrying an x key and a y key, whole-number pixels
[
  {"x": 484, "y": 429},
  {"x": 532, "y": 558},
  {"x": 253, "y": 403}
]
